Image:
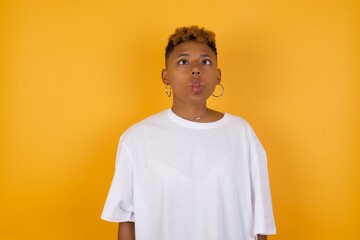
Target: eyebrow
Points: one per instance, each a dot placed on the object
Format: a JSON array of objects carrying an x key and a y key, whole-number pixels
[{"x": 187, "y": 55}]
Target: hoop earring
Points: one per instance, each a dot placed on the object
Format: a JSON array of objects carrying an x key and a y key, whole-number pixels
[
  {"x": 222, "y": 93},
  {"x": 168, "y": 91}
]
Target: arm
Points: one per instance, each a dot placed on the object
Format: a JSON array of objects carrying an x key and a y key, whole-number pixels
[
  {"x": 262, "y": 237},
  {"x": 126, "y": 231}
]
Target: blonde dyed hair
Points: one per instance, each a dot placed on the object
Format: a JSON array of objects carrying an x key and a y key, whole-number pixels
[{"x": 192, "y": 33}]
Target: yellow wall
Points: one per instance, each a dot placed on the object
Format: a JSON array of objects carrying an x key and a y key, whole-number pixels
[{"x": 75, "y": 74}]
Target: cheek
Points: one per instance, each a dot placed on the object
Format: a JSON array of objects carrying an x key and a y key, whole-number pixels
[
  {"x": 178, "y": 76},
  {"x": 214, "y": 77},
  {"x": 213, "y": 87}
]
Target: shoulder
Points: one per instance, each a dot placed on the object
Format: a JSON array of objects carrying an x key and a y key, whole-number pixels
[
  {"x": 241, "y": 126},
  {"x": 237, "y": 121},
  {"x": 138, "y": 129}
]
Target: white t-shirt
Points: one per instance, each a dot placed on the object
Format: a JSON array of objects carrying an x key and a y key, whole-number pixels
[{"x": 183, "y": 180}]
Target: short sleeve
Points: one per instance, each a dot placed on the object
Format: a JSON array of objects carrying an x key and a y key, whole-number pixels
[
  {"x": 119, "y": 203},
  {"x": 264, "y": 223}
]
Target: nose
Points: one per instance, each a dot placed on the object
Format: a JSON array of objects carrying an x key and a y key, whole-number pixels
[{"x": 195, "y": 70}]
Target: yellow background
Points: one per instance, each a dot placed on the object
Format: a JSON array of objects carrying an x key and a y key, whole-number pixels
[{"x": 75, "y": 74}]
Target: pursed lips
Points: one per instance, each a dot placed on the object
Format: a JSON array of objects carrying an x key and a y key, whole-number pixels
[
  {"x": 196, "y": 82},
  {"x": 196, "y": 86}
]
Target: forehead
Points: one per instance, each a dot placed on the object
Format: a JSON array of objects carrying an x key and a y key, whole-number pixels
[{"x": 192, "y": 47}]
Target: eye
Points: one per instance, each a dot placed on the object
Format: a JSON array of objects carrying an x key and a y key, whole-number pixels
[
  {"x": 182, "y": 62},
  {"x": 206, "y": 62}
]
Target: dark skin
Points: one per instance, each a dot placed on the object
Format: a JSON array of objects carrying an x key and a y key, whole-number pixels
[
  {"x": 126, "y": 231},
  {"x": 193, "y": 74}
]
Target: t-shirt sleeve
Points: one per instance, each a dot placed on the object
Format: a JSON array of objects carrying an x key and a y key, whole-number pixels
[
  {"x": 119, "y": 203},
  {"x": 264, "y": 223}
]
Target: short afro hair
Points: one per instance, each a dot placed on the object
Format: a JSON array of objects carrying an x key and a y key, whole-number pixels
[{"x": 195, "y": 33}]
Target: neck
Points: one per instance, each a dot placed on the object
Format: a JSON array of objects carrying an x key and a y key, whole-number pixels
[{"x": 196, "y": 113}]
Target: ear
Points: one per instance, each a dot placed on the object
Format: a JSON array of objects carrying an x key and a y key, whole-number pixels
[
  {"x": 164, "y": 77},
  {"x": 219, "y": 75}
]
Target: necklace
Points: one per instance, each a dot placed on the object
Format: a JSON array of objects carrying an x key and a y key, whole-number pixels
[
  {"x": 201, "y": 116},
  {"x": 197, "y": 118}
]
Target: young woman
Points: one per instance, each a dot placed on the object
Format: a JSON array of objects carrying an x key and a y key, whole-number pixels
[{"x": 190, "y": 172}]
